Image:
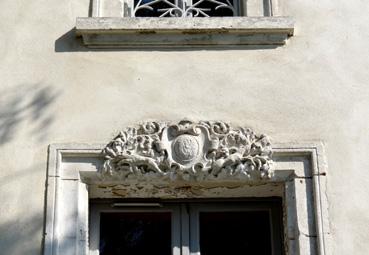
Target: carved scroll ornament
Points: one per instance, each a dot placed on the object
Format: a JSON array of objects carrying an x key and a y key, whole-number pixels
[{"x": 188, "y": 151}]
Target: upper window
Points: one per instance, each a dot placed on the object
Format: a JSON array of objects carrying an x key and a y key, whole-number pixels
[
  {"x": 186, "y": 8},
  {"x": 194, "y": 23}
]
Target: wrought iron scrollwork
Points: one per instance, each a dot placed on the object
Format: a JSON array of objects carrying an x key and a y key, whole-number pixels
[{"x": 177, "y": 8}]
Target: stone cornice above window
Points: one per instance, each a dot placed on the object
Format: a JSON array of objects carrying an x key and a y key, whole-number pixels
[{"x": 118, "y": 32}]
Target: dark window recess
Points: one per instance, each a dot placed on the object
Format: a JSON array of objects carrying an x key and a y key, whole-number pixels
[
  {"x": 154, "y": 8},
  {"x": 135, "y": 233},
  {"x": 218, "y": 8},
  {"x": 235, "y": 233}
]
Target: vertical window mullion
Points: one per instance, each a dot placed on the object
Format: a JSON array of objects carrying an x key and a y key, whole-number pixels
[
  {"x": 185, "y": 230},
  {"x": 194, "y": 230},
  {"x": 176, "y": 235},
  {"x": 237, "y": 7}
]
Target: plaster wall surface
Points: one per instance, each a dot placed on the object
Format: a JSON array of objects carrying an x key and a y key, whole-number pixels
[{"x": 54, "y": 90}]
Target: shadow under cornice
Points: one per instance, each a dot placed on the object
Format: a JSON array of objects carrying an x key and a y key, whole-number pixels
[{"x": 70, "y": 42}]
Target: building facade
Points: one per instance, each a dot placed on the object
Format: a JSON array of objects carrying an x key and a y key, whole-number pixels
[{"x": 308, "y": 92}]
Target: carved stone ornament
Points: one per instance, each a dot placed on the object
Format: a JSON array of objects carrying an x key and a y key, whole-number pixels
[{"x": 188, "y": 151}]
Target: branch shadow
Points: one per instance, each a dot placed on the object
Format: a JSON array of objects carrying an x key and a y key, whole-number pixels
[
  {"x": 18, "y": 236},
  {"x": 26, "y": 105},
  {"x": 22, "y": 230}
]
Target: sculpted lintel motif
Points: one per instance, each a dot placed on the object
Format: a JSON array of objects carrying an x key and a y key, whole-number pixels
[{"x": 188, "y": 151}]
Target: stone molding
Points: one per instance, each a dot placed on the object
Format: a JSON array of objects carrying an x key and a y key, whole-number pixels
[
  {"x": 189, "y": 151},
  {"x": 300, "y": 176},
  {"x": 123, "y": 32}
]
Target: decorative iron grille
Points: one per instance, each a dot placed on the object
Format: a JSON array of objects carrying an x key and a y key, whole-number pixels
[{"x": 185, "y": 8}]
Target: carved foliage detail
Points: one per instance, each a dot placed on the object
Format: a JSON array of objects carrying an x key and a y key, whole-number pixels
[{"x": 188, "y": 151}]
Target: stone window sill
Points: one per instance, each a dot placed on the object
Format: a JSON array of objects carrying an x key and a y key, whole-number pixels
[{"x": 116, "y": 32}]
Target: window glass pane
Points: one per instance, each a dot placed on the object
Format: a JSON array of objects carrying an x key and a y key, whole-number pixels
[
  {"x": 138, "y": 233},
  {"x": 235, "y": 233}
]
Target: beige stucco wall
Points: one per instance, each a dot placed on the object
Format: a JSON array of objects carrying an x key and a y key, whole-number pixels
[{"x": 54, "y": 90}]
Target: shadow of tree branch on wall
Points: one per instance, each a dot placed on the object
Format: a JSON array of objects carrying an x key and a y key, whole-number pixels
[
  {"x": 23, "y": 220},
  {"x": 20, "y": 236},
  {"x": 27, "y": 105}
]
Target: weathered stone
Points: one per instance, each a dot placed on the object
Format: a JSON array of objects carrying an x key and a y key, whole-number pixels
[
  {"x": 188, "y": 150},
  {"x": 136, "y": 32}
]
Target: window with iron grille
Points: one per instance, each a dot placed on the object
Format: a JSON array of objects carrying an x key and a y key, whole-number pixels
[
  {"x": 183, "y": 8},
  {"x": 197, "y": 8},
  {"x": 184, "y": 23}
]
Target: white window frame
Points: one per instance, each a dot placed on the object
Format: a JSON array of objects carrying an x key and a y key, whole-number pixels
[
  {"x": 214, "y": 207},
  {"x": 300, "y": 178},
  {"x": 185, "y": 217},
  {"x": 97, "y": 209}
]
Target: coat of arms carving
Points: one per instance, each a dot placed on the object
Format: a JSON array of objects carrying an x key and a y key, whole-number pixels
[{"x": 189, "y": 151}]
